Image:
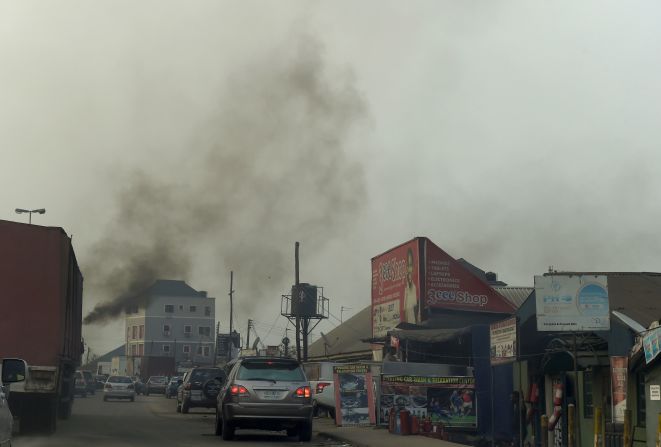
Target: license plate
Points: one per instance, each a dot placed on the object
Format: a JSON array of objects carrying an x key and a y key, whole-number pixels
[{"x": 271, "y": 395}]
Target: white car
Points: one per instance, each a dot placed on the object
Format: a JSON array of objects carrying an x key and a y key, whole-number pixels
[
  {"x": 325, "y": 399},
  {"x": 119, "y": 387},
  {"x": 13, "y": 370}
]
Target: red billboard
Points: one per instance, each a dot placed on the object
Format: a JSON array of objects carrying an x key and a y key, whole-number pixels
[
  {"x": 449, "y": 285},
  {"x": 395, "y": 287}
]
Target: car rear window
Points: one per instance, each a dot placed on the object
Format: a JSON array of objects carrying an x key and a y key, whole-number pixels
[
  {"x": 271, "y": 370},
  {"x": 201, "y": 375},
  {"x": 119, "y": 379}
]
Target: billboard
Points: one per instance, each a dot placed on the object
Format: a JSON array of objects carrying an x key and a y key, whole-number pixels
[
  {"x": 304, "y": 300},
  {"x": 572, "y": 303},
  {"x": 448, "y": 400},
  {"x": 354, "y": 400},
  {"x": 503, "y": 341},
  {"x": 449, "y": 285},
  {"x": 395, "y": 288},
  {"x": 652, "y": 344},
  {"x": 619, "y": 368}
]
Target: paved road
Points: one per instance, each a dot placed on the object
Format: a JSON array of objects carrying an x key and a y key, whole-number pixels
[{"x": 149, "y": 421}]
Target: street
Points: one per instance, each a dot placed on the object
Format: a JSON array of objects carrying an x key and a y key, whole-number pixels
[{"x": 149, "y": 421}]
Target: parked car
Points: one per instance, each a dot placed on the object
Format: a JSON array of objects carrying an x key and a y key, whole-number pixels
[
  {"x": 79, "y": 385},
  {"x": 173, "y": 385},
  {"x": 200, "y": 388},
  {"x": 119, "y": 387},
  {"x": 13, "y": 370},
  {"x": 324, "y": 400},
  {"x": 100, "y": 380},
  {"x": 268, "y": 393},
  {"x": 156, "y": 384},
  {"x": 90, "y": 382}
]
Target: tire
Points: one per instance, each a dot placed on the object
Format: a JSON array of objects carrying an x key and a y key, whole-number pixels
[
  {"x": 64, "y": 410},
  {"x": 219, "y": 425},
  {"x": 305, "y": 432},
  {"x": 227, "y": 430},
  {"x": 185, "y": 406},
  {"x": 178, "y": 407},
  {"x": 315, "y": 409}
]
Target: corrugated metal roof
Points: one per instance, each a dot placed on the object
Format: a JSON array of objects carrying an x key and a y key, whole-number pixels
[
  {"x": 515, "y": 295},
  {"x": 345, "y": 338}
]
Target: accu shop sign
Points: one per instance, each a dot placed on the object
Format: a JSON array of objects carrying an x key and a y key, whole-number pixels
[{"x": 458, "y": 297}]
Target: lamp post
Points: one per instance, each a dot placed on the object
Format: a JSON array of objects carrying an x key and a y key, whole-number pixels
[{"x": 30, "y": 212}]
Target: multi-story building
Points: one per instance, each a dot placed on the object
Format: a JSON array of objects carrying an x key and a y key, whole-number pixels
[{"x": 173, "y": 320}]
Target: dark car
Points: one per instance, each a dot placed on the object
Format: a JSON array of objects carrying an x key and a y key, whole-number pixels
[
  {"x": 90, "y": 382},
  {"x": 156, "y": 384},
  {"x": 267, "y": 393},
  {"x": 200, "y": 388},
  {"x": 173, "y": 385},
  {"x": 140, "y": 387},
  {"x": 100, "y": 380},
  {"x": 79, "y": 384}
]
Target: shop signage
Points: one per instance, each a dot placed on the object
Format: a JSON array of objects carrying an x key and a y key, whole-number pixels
[
  {"x": 572, "y": 303},
  {"x": 619, "y": 368},
  {"x": 449, "y": 400},
  {"x": 449, "y": 285},
  {"x": 395, "y": 288},
  {"x": 655, "y": 392},
  {"x": 651, "y": 343},
  {"x": 503, "y": 341},
  {"x": 354, "y": 395}
]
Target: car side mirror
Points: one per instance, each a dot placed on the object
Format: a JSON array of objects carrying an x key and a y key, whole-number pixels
[{"x": 13, "y": 370}]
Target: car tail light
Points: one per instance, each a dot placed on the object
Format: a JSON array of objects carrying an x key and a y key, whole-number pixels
[
  {"x": 239, "y": 390},
  {"x": 321, "y": 386},
  {"x": 303, "y": 391},
  {"x": 108, "y": 386},
  {"x": 187, "y": 387}
]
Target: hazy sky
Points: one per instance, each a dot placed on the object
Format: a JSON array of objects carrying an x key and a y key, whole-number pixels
[{"x": 515, "y": 134}]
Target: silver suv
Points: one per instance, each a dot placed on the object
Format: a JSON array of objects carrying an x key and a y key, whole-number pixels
[{"x": 268, "y": 393}]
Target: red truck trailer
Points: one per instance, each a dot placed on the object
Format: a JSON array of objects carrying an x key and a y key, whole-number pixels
[{"x": 41, "y": 291}]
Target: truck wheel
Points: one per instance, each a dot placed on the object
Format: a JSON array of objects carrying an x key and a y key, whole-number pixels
[
  {"x": 227, "y": 430},
  {"x": 50, "y": 416}
]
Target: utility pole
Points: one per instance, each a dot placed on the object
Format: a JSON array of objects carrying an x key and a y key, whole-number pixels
[
  {"x": 298, "y": 318},
  {"x": 231, "y": 294},
  {"x": 248, "y": 336}
]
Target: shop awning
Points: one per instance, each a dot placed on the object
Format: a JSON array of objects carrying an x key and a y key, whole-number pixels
[{"x": 429, "y": 335}]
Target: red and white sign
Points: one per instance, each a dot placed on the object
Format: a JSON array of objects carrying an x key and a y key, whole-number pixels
[
  {"x": 395, "y": 288},
  {"x": 449, "y": 285},
  {"x": 619, "y": 368}
]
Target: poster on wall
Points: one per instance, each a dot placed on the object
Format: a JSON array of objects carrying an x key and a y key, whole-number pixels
[
  {"x": 572, "y": 303},
  {"x": 354, "y": 395},
  {"x": 448, "y": 400},
  {"x": 395, "y": 288},
  {"x": 503, "y": 341},
  {"x": 450, "y": 285},
  {"x": 652, "y": 344},
  {"x": 619, "y": 368}
]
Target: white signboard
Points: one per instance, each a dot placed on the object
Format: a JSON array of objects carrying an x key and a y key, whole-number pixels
[
  {"x": 572, "y": 303},
  {"x": 385, "y": 317},
  {"x": 655, "y": 392},
  {"x": 503, "y": 341}
]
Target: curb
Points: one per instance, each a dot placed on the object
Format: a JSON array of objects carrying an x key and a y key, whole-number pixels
[{"x": 339, "y": 438}]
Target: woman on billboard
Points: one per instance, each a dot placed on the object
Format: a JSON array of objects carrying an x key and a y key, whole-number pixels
[{"x": 410, "y": 292}]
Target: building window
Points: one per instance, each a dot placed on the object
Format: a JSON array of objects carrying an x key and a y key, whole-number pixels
[
  {"x": 166, "y": 330},
  {"x": 181, "y": 307},
  {"x": 588, "y": 409},
  {"x": 133, "y": 350},
  {"x": 206, "y": 351},
  {"x": 141, "y": 349},
  {"x": 128, "y": 333},
  {"x": 188, "y": 330},
  {"x": 186, "y": 349},
  {"x": 169, "y": 309},
  {"x": 135, "y": 332},
  {"x": 207, "y": 311},
  {"x": 141, "y": 332},
  {"x": 193, "y": 308},
  {"x": 199, "y": 350},
  {"x": 204, "y": 331},
  {"x": 641, "y": 410},
  {"x": 166, "y": 348}
]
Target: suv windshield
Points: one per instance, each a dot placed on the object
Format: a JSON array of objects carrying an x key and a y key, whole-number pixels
[
  {"x": 202, "y": 375},
  {"x": 271, "y": 370}
]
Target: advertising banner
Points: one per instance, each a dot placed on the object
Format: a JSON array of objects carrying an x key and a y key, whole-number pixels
[
  {"x": 619, "y": 368},
  {"x": 448, "y": 400},
  {"x": 572, "y": 303},
  {"x": 395, "y": 288},
  {"x": 354, "y": 395},
  {"x": 503, "y": 341},
  {"x": 449, "y": 285},
  {"x": 651, "y": 344}
]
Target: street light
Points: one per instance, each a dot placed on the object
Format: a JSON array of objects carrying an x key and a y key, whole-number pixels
[{"x": 39, "y": 211}]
